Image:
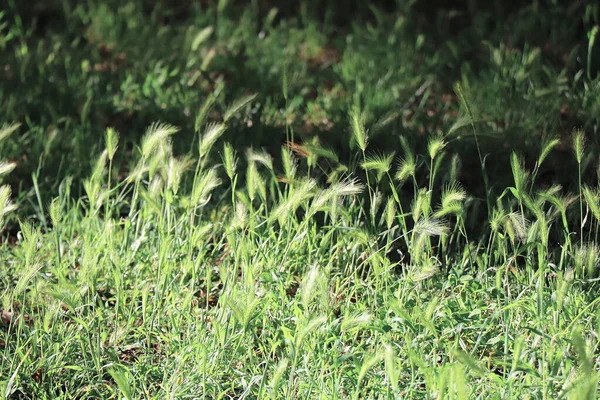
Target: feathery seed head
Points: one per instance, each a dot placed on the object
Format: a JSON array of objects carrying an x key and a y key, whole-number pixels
[
  {"x": 201, "y": 234},
  {"x": 156, "y": 186},
  {"x": 431, "y": 227},
  {"x": 156, "y": 136},
  {"x": 408, "y": 153},
  {"x": 421, "y": 204},
  {"x": 520, "y": 174},
  {"x": 435, "y": 145},
  {"x": 551, "y": 191},
  {"x": 229, "y": 160},
  {"x": 6, "y": 167},
  {"x": 212, "y": 133},
  {"x": 251, "y": 180},
  {"x": 261, "y": 186},
  {"x": 177, "y": 166},
  {"x": 586, "y": 258},
  {"x": 356, "y": 320},
  {"x": 452, "y": 207},
  {"x": 346, "y": 188},
  {"x": 6, "y": 205},
  {"x": 379, "y": 163},
  {"x": 207, "y": 182},
  {"x": 462, "y": 91},
  {"x": 338, "y": 189},
  {"x": 111, "y": 140},
  {"x": 29, "y": 238},
  {"x": 7, "y": 129},
  {"x": 390, "y": 213},
  {"x": 309, "y": 285},
  {"x": 578, "y": 144},
  {"x": 159, "y": 159},
  {"x": 427, "y": 270},
  {"x": 547, "y": 147},
  {"x": 316, "y": 150},
  {"x": 593, "y": 200},
  {"x": 406, "y": 169},
  {"x": 290, "y": 164},
  {"x": 516, "y": 225},
  {"x": 138, "y": 171},
  {"x": 408, "y": 164},
  {"x": 237, "y": 105},
  {"x": 453, "y": 193},
  {"x": 496, "y": 219},
  {"x": 303, "y": 191},
  {"x": 201, "y": 37},
  {"x": 534, "y": 205},
  {"x": 92, "y": 189},
  {"x": 55, "y": 211},
  {"x": 282, "y": 367},
  {"x": 453, "y": 196},
  {"x": 300, "y": 150},
  {"x": 262, "y": 157},
  {"x": 99, "y": 166},
  {"x": 240, "y": 216},
  {"x": 358, "y": 131}
]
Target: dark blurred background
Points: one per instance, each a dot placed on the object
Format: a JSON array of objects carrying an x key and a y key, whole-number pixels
[{"x": 70, "y": 69}]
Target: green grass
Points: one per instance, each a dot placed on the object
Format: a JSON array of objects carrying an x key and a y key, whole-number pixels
[{"x": 317, "y": 216}]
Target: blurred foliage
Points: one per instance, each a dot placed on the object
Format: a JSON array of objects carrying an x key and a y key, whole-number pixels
[{"x": 72, "y": 68}]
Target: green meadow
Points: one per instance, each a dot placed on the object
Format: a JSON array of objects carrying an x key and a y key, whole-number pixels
[{"x": 322, "y": 200}]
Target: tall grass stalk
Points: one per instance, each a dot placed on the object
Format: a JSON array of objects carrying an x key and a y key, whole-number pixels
[{"x": 467, "y": 106}]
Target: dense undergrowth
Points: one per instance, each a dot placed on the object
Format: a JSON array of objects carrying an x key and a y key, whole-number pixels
[{"x": 324, "y": 212}]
